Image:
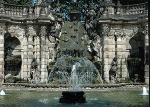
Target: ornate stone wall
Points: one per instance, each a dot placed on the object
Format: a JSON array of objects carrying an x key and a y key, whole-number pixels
[
  {"x": 116, "y": 43},
  {"x": 113, "y": 44}
]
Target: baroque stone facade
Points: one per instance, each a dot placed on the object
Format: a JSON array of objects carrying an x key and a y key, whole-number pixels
[{"x": 29, "y": 42}]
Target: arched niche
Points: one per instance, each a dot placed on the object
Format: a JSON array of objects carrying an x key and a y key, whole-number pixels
[
  {"x": 137, "y": 45},
  {"x": 12, "y": 57},
  {"x": 136, "y": 58}
]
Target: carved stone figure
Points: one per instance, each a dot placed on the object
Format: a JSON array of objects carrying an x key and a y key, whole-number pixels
[
  {"x": 34, "y": 66},
  {"x": 113, "y": 70}
]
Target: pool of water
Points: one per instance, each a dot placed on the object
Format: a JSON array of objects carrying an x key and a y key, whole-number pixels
[{"x": 93, "y": 99}]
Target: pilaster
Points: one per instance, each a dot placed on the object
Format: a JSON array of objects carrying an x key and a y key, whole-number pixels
[
  {"x": 30, "y": 52},
  {"x": 105, "y": 67},
  {"x": 111, "y": 48},
  {"x": 2, "y": 31},
  {"x": 146, "y": 68},
  {"x": 122, "y": 73},
  {"x": 25, "y": 73},
  {"x": 43, "y": 64}
]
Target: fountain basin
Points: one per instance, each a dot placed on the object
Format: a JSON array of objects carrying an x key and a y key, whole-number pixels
[{"x": 72, "y": 97}]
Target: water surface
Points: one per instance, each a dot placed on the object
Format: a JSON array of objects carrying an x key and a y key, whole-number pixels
[{"x": 93, "y": 99}]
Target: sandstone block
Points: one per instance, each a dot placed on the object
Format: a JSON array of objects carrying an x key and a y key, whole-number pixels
[
  {"x": 1, "y": 62},
  {"x": 1, "y": 41},
  {"x": 1, "y": 56},
  {"x": 1, "y": 45},
  {"x": 1, "y": 48},
  {"x": 119, "y": 49},
  {"x": 25, "y": 67}
]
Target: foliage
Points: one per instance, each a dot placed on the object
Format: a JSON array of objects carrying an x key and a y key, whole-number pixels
[{"x": 84, "y": 2}]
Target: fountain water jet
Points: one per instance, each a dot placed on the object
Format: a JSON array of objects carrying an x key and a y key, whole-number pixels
[
  {"x": 74, "y": 95},
  {"x": 74, "y": 80},
  {"x": 73, "y": 65},
  {"x": 145, "y": 91},
  {"x": 2, "y": 92}
]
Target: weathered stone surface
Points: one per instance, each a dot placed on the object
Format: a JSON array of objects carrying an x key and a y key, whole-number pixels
[
  {"x": 1, "y": 45},
  {"x": 36, "y": 41}
]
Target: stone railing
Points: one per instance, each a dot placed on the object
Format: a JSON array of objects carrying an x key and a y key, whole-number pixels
[
  {"x": 135, "y": 9},
  {"x": 11, "y": 10},
  {"x": 21, "y": 11}
]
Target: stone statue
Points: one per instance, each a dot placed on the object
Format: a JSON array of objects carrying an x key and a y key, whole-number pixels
[
  {"x": 33, "y": 72},
  {"x": 113, "y": 70}
]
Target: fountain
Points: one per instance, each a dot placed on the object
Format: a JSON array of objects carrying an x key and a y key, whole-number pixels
[
  {"x": 74, "y": 95},
  {"x": 145, "y": 91},
  {"x": 2, "y": 92},
  {"x": 73, "y": 66},
  {"x": 73, "y": 51}
]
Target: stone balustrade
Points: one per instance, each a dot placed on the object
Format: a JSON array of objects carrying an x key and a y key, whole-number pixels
[
  {"x": 22, "y": 11},
  {"x": 10, "y": 10},
  {"x": 135, "y": 9}
]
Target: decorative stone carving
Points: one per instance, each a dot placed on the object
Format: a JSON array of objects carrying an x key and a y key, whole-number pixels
[
  {"x": 145, "y": 31},
  {"x": 120, "y": 33},
  {"x": 106, "y": 29},
  {"x": 2, "y": 31},
  {"x": 54, "y": 32},
  {"x": 31, "y": 31},
  {"x": 135, "y": 28},
  {"x": 113, "y": 70},
  {"x": 111, "y": 33},
  {"x": 108, "y": 1},
  {"x": 118, "y": 10},
  {"x": 35, "y": 32},
  {"x": 43, "y": 30}
]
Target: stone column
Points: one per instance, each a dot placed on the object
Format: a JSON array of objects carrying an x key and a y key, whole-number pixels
[
  {"x": 37, "y": 51},
  {"x": 146, "y": 54},
  {"x": 2, "y": 52},
  {"x": 111, "y": 55},
  {"x": 122, "y": 71},
  {"x": 44, "y": 72},
  {"x": 25, "y": 73},
  {"x": 47, "y": 50},
  {"x": 30, "y": 34},
  {"x": 105, "y": 66},
  {"x": 105, "y": 60},
  {"x": 30, "y": 52}
]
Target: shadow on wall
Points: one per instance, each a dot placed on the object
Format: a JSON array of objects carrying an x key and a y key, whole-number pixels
[{"x": 135, "y": 60}]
